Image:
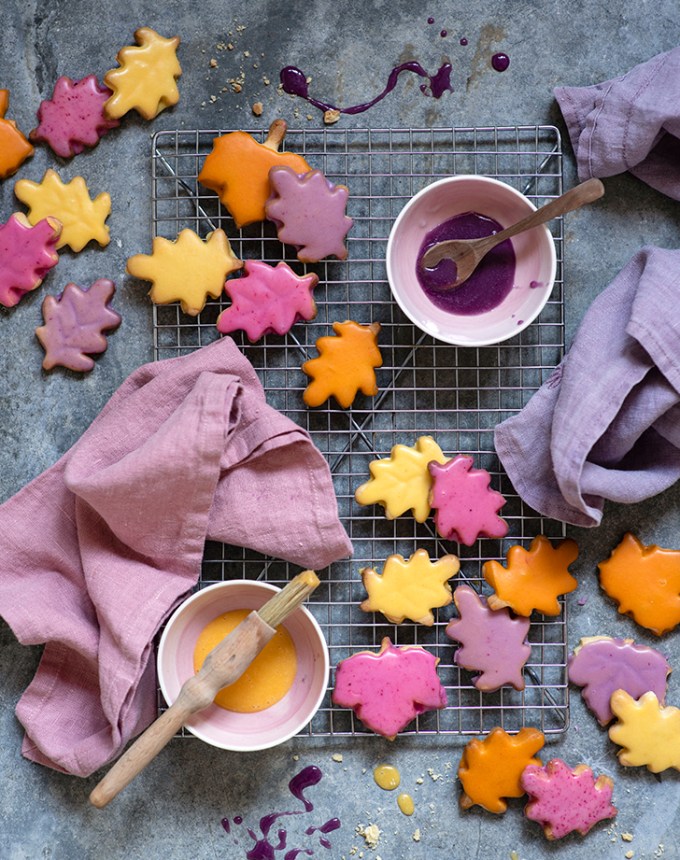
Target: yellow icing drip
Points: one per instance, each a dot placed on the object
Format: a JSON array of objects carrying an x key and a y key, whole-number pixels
[
  {"x": 405, "y": 803},
  {"x": 387, "y": 777},
  {"x": 268, "y": 678}
]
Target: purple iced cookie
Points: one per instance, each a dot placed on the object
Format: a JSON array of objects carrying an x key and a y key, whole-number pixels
[
  {"x": 74, "y": 117},
  {"x": 309, "y": 212},
  {"x": 601, "y": 665}
]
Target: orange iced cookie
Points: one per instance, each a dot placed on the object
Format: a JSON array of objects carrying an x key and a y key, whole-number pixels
[
  {"x": 187, "y": 270},
  {"x": 490, "y": 770},
  {"x": 82, "y": 218},
  {"x": 237, "y": 169},
  {"x": 146, "y": 79},
  {"x": 410, "y": 589},
  {"x": 533, "y": 578},
  {"x": 345, "y": 365},
  {"x": 647, "y": 732},
  {"x": 402, "y": 481},
  {"x": 645, "y": 582},
  {"x": 14, "y": 148}
]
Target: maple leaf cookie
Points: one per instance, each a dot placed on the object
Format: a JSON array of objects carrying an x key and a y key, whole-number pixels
[
  {"x": 267, "y": 299},
  {"x": 345, "y": 365},
  {"x": 27, "y": 253},
  {"x": 14, "y": 148},
  {"x": 652, "y": 596},
  {"x": 188, "y": 269},
  {"x": 490, "y": 770},
  {"x": 402, "y": 481},
  {"x": 409, "y": 589},
  {"x": 389, "y": 689},
  {"x": 565, "y": 801},
  {"x": 533, "y": 578},
  {"x": 466, "y": 507},
  {"x": 146, "y": 79},
  {"x": 75, "y": 323},
  {"x": 601, "y": 665},
  {"x": 73, "y": 118},
  {"x": 492, "y": 642},
  {"x": 648, "y": 733},
  {"x": 82, "y": 219},
  {"x": 237, "y": 169},
  {"x": 309, "y": 212}
]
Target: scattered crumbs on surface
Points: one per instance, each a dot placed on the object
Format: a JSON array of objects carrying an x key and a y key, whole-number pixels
[
  {"x": 371, "y": 834},
  {"x": 420, "y": 780},
  {"x": 337, "y": 756},
  {"x": 433, "y": 776},
  {"x": 331, "y": 116},
  {"x": 310, "y": 117},
  {"x": 236, "y": 86},
  {"x": 447, "y": 765},
  {"x": 364, "y": 769},
  {"x": 212, "y": 99},
  {"x": 582, "y": 601},
  {"x": 266, "y": 81},
  {"x": 353, "y": 850},
  {"x": 240, "y": 28},
  {"x": 629, "y": 854},
  {"x": 213, "y": 63},
  {"x": 627, "y": 837},
  {"x": 296, "y": 757},
  {"x": 416, "y": 835},
  {"x": 257, "y": 108},
  {"x": 660, "y": 850},
  {"x": 246, "y": 53},
  {"x": 230, "y": 46}
]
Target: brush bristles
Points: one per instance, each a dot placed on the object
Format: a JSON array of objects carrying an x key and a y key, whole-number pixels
[{"x": 289, "y": 598}]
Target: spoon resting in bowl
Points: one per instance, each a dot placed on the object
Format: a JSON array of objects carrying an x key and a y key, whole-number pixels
[{"x": 466, "y": 254}]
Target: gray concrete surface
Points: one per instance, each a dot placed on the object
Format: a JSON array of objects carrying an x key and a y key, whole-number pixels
[{"x": 174, "y": 810}]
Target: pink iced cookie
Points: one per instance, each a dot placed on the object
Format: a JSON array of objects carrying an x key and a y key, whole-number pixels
[
  {"x": 563, "y": 800},
  {"x": 73, "y": 118},
  {"x": 267, "y": 299},
  {"x": 26, "y": 255},
  {"x": 75, "y": 323},
  {"x": 309, "y": 212},
  {"x": 389, "y": 689},
  {"x": 466, "y": 506},
  {"x": 493, "y": 643},
  {"x": 601, "y": 665}
]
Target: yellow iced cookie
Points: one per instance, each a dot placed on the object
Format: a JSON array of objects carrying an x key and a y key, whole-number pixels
[
  {"x": 410, "y": 589},
  {"x": 82, "y": 218},
  {"x": 402, "y": 481},
  {"x": 146, "y": 79},
  {"x": 648, "y": 732},
  {"x": 187, "y": 270}
]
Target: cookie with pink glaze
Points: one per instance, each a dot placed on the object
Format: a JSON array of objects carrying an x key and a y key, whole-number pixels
[
  {"x": 73, "y": 119},
  {"x": 267, "y": 299},
  {"x": 601, "y": 665},
  {"x": 27, "y": 253},
  {"x": 309, "y": 213},
  {"x": 388, "y": 689},
  {"x": 466, "y": 507},
  {"x": 492, "y": 642},
  {"x": 565, "y": 801}
]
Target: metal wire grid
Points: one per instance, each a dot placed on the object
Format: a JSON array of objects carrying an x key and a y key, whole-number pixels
[{"x": 455, "y": 394}]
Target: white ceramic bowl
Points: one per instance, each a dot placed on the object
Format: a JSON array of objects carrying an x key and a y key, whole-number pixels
[
  {"x": 535, "y": 260},
  {"x": 227, "y": 729}
]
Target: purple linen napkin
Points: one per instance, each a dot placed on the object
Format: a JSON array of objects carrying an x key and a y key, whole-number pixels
[
  {"x": 98, "y": 550},
  {"x": 629, "y": 123},
  {"x": 606, "y": 424}
]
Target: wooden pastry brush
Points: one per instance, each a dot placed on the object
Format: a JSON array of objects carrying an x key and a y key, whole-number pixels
[{"x": 224, "y": 664}]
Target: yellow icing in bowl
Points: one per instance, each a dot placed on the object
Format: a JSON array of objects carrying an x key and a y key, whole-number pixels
[{"x": 268, "y": 678}]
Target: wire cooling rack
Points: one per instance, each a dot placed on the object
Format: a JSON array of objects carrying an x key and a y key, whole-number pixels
[{"x": 457, "y": 395}]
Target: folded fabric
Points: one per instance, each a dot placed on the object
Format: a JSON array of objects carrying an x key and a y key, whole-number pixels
[
  {"x": 629, "y": 123},
  {"x": 96, "y": 551},
  {"x": 606, "y": 424}
]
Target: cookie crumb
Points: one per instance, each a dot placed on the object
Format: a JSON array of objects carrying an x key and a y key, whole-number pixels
[
  {"x": 266, "y": 81},
  {"x": 236, "y": 87},
  {"x": 627, "y": 837},
  {"x": 629, "y": 854},
  {"x": 433, "y": 776},
  {"x": 337, "y": 756},
  {"x": 230, "y": 46},
  {"x": 371, "y": 834},
  {"x": 416, "y": 835},
  {"x": 331, "y": 116},
  {"x": 419, "y": 780},
  {"x": 258, "y": 108},
  {"x": 296, "y": 757},
  {"x": 213, "y": 63}
]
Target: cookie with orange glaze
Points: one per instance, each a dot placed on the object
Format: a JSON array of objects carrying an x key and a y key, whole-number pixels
[
  {"x": 389, "y": 689},
  {"x": 490, "y": 770},
  {"x": 645, "y": 582},
  {"x": 237, "y": 169},
  {"x": 14, "y": 148},
  {"x": 345, "y": 365},
  {"x": 533, "y": 578}
]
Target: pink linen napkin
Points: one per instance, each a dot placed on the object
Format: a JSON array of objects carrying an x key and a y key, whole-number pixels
[
  {"x": 629, "y": 123},
  {"x": 97, "y": 551},
  {"x": 606, "y": 424}
]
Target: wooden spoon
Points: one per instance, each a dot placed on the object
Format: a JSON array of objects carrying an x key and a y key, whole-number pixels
[
  {"x": 467, "y": 254},
  {"x": 224, "y": 664}
]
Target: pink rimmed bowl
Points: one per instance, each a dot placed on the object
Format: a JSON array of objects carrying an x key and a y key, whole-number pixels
[
  {"x": 535, "y": 260},
  {"x": 227, "y": 729}
]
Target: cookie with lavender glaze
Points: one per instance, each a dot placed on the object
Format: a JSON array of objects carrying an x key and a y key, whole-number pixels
[
  {"x": 309, "y": 213},
  {"x": 565, "y": 800},
  {"x": 466, "y": 507},
  {"x": 389, "y": 689},
  {"x": 492, "y": 642},
  {"x": 601, "y": 665}
]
